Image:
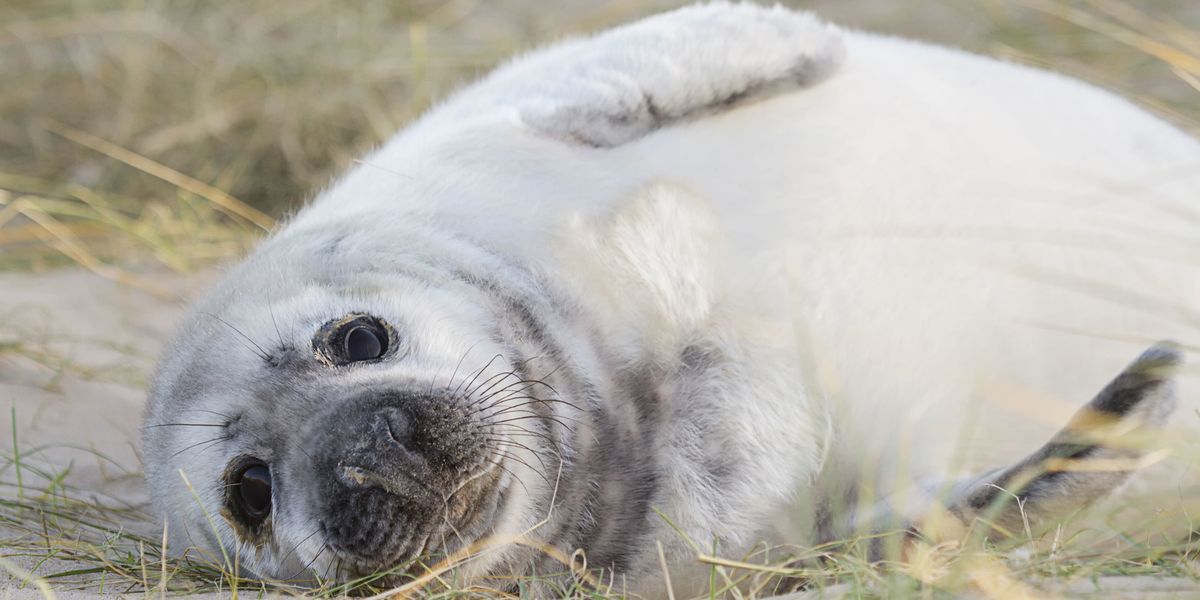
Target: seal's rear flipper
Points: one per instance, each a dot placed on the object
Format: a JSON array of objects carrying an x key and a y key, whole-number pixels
[{"x": 1096, "y": 451}]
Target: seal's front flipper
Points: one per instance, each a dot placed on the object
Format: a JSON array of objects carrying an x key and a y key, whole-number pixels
[
  {"x": 1096, "y": 452},
  {"x": 626, "y": 83}
]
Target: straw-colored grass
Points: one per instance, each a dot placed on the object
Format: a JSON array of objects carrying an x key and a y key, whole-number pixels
[{"x": 141, "y": 136}]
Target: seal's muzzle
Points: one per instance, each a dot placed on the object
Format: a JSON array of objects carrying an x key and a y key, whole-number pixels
[{"x": 386, "y": 465}]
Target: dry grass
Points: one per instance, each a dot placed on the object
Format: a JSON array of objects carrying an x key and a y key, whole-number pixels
[
  {"x": 170, "y": 135},
  {"x": 146, "y": 134}
]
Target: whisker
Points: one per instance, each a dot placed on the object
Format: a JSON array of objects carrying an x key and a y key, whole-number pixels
[
  {"x": 530, "y": 400},
  {"x": 274, "y": 323},
  {"x": 519, "y": 365},
  {"x": 456, "y": 368},
  {"x": 531, "y": 383},
  {"x": 542, "y": 379},
  {"x": 522, "y": 433},
  {"x": 477, "y": 374},
  {"x": 500, "y": 376},
  {"x": 509, "y": 456},
  {"x": 338, "y": 568},
  {"x": 297, "y": 546},
  {"x": 260, "y": 352},
  {"x": 551, "y": 451},
  {"x": 211, "y": 412},
  {"x": 322, "y": 576},
  {"x": 540, "y": 436},
  {"x": 525, "y": 412},
  {"x": 506, "y": 389},
  {"x": 536, "y": 455},
  {"x": 530, "y": 414},
  {"x": 208, "y": 441},
  {"x": 527, "y": 388},
  {"x": 520, "y": 409},
  {"x": 184, "y": 425},
  {"x": 528, "y": 417},
  {"x": 514, "y": 476}
]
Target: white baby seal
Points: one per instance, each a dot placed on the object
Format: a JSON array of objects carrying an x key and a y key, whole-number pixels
[{"x": 725, "y": 276}]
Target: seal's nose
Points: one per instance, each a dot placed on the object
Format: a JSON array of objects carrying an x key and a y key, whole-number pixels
[
  {"x": 396, "y": 424},
  {"x": 375, "y": 446},
  {"x": 381, "y": 452},
  {"x": 394, "y": 440}
]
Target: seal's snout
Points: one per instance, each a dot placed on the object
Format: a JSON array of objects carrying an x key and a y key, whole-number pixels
[
  {"x": 377, "y": 442},
  {"x": 386, "y": 462}
]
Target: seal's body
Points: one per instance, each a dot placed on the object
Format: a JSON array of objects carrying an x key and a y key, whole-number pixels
[{"x": 702, "y": 279}]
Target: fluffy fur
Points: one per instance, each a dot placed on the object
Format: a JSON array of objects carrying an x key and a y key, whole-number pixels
[{"x": 733, "y": 267}]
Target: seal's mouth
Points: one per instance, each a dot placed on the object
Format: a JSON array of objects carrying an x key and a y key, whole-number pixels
[
  {"x": 467, "y": 517},
  {"x": 412, "y": 549}
]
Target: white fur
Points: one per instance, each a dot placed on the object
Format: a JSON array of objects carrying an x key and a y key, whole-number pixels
[
  {"x": 940, "y": 227},
  {"x": 907, "y": 261}
]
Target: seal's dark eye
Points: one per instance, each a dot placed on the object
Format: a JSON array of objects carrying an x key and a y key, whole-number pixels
[
  {"x": 253, "y": 492},
  {"x": 363, "y": 343},
  {"x": 353, "y": 338}
]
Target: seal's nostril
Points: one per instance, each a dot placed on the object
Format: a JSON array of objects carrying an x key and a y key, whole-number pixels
[
  {"x": 396, "y": 424},
  {"x": 353, "y": 476}
]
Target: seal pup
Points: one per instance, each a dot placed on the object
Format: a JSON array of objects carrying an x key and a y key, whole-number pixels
[{"x": 708, "y": 278}]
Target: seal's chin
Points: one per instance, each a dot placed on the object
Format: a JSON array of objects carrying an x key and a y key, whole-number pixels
[{"x": 401, "y": 553}]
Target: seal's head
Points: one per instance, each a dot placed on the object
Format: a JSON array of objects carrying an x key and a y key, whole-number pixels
[{"x": 339, "y": 406}]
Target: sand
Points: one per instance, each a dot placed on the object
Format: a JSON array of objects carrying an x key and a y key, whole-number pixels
[
  {"x": 86, "y": 347},
  {"x": 75, "y": 353}
]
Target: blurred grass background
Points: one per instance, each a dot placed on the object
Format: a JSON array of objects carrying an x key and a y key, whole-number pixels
[{"x": 151, "y": 131}]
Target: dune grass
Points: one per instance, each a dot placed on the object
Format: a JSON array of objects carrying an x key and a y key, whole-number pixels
[
  {"x": 73, "y": 539},
  {"x": 138, "y": 137},
  {"x": 128, "y": 138}
]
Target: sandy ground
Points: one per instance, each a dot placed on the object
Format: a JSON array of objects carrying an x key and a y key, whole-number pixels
[
  {"x": 75, "y": 353},
  {"x": 84, "y": 349}
]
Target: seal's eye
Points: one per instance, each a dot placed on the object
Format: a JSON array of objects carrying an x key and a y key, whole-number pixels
[
  {"x": 353, "y": 338},
  {"x": 252, "y": 493},
  {"x": 363, "y": 343}
]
